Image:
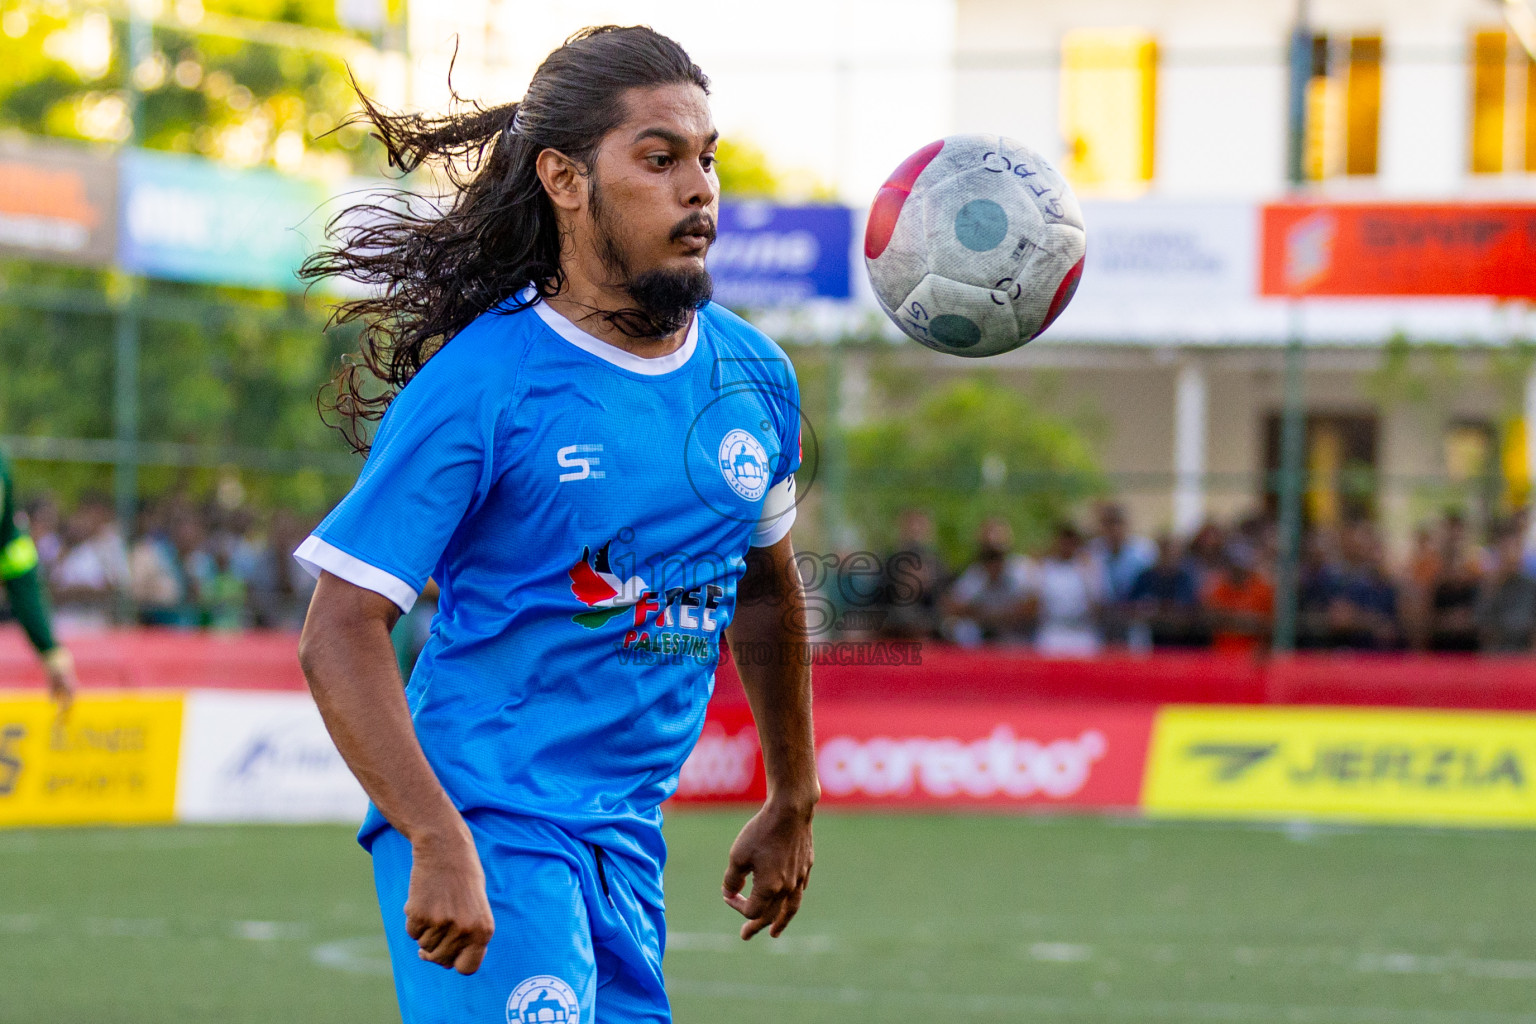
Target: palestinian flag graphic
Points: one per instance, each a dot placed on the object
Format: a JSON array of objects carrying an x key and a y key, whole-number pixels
[{"x": 595, "y": 585}]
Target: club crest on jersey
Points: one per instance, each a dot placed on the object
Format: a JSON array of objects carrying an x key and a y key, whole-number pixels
[
  {"x": 543, "y": 999},
  {"x": 744, "y": 464}
]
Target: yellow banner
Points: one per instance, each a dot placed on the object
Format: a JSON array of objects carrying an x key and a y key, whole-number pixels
[
  {"x": 1426, "y": 767},
  {"x": 112, "y": 760}
]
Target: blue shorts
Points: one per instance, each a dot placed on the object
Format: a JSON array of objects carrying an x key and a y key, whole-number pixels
[{"x": 574, "y": 944}]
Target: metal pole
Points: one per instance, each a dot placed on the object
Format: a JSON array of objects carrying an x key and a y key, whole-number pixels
[
  {"x": 1293, "y": 423},
  {"x": 1293, "y": 431},
  {"x": 126, "y": 336},
  {"x": 1300, "y": 78}
]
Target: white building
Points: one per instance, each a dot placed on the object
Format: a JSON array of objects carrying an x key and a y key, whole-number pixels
[{"x": 1172, "y": 119}]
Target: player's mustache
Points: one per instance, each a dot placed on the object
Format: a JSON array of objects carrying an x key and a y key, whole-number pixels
[{"x": 694, "y": 224}]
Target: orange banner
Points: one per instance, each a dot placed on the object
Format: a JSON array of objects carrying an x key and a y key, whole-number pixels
[{"x": 1399, "y": 249}]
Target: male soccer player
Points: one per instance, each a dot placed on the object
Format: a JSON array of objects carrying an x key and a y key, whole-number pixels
[
  {"x": 24, "y": 588},
  {"x": 595, "y": 465}
]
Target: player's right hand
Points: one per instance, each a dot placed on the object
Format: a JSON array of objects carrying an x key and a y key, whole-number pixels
[{"x": 446, "y": 910}]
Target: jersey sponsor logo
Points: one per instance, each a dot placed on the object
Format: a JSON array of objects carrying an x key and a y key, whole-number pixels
[
  {"x": 543, "y": 999},
  {"x": 580, "y": 460},
  {"x": 675, "y": 623},
  {"x": 744, "y": 464}
]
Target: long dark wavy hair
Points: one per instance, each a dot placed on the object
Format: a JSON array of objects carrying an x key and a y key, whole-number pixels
[{"x": 429, "y": 267}]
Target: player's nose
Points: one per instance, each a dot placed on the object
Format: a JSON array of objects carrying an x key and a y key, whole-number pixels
[{"x": 698, "y": 189}]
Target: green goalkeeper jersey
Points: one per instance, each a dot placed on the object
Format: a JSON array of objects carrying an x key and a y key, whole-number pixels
[{"x": 19, "y": 569}]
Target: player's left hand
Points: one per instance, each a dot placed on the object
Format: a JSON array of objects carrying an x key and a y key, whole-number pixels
[
  {"x": 60, "y": 669},
  {"x": 775, "y": 849}
]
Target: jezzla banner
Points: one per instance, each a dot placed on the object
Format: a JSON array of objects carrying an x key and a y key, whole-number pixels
[
  {"x": 771, "y": 255},
  {"x": 1357, "y": 764}
]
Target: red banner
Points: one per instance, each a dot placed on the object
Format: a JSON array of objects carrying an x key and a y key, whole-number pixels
[
  {"x": 921, "y": 754},
  {"x": 1400, "y": 249}
]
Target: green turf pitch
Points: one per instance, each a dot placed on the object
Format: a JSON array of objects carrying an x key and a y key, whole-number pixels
[{"x": 909, "y": 918}]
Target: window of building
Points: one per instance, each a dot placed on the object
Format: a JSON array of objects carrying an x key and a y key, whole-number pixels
[
  {"x": 1503, "y": 105},
  {"x": 1340, "y": 462},
  {"x": 1343, "y": 107},
  {"x": 1108, "y": 107}
]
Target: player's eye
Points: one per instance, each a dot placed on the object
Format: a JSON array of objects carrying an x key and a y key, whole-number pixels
[
  {"x": 660, "y": 160},
  {"x": 707, "y": 161}
]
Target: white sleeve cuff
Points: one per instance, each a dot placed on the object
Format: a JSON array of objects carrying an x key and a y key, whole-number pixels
[
  {"x": 315, "y": 554},
  {"x": 778, "y": 514}
]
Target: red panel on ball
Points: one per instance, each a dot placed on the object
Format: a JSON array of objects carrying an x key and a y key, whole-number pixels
[
  {"x": 888, "y": 201},
  {"x": 1064, "y": 293}
]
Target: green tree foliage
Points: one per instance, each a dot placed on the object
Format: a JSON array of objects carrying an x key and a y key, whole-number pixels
[
  {"x": 218, "y": 369},
  {"x": 744, "y": 171},
  {"x": 970, "y": 450},
  {"x": 203, "y": 89}
]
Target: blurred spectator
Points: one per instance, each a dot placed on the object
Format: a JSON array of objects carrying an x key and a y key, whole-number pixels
[
  {"x": 1317, "y": 586},
  {"x": 1205, "y": 554},
  {"x": 1453, "y": 598},
  {"x": 1506, "y": 599},
  {"x": 992, "y": 601},
  {"x": 92, "y": 568},
  {"x": 914, "y": 581},
  {"x": 291, "y": 585},
  {"x": 1119, "y": 559},
  {"x": 1069, "y": 588},
  {"x": 1418, "y": 587},
  {"x": 1165, "y": 602},
  {"x": 1362, "y": 612},
  {"x": 155, "y": 581},
  {"x": 43, "y": 523},
  {"x": 1241, "y": 603}
]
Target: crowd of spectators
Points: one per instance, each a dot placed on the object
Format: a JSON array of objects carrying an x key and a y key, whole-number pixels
[
  {"x": 194, "y": 565},
  {"x": 185, "y": 565},
  {"x": 1107, "y": 587}
]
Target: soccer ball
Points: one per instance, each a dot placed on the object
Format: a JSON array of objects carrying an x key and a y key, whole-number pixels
[{"x": 974, "y": 245}]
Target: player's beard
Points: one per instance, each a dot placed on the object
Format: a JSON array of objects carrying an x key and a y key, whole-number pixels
[{"x": 664, "y": 297}]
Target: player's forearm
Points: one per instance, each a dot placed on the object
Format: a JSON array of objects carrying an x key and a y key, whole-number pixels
[
  {"x": 779, "y": 687},
  {"x": 350, "y": 664},
  {"x": 30, "y": 606}
]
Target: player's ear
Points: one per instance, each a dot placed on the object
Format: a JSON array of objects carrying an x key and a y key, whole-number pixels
[{"x": 562, "y": 180}]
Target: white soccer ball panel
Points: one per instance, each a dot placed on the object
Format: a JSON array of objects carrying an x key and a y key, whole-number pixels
[
  {"x": 979, "y": 227},
  {"x": 957, "y": 318},
  {"x": 904, "y": 260}
]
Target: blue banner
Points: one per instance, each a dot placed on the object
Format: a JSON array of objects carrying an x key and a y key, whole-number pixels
[
  {"x": 191, "y": 220},
  {"x": 771, "y": 255}
]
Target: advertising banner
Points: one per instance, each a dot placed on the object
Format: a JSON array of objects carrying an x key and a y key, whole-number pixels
[
  {"x": 262, "y": 757},
  {"x": 771, "y": 255},
  {"x": 191, "y": 220},
  {"x": 1400, "y": 249},
  {"x": 918, "y": 754},
  {"x": 57, "y": 203},
  {"x": 111, "y": 760},
  {"x": 1428, "y": 767}
]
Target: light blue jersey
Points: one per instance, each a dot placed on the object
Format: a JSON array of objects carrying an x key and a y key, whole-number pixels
[{"x": 586, "y": 513}]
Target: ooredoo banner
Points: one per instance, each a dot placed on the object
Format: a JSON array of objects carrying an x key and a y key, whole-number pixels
[{"x": 925, "y": 754}]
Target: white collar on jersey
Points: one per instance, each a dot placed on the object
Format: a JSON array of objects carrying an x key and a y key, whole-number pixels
[{"x": 611, "y": 353}]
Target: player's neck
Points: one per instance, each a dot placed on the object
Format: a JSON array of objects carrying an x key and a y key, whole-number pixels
[{"x": 583, "y": 299}]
